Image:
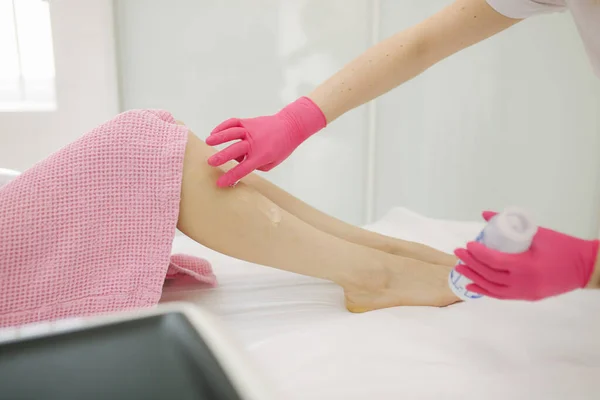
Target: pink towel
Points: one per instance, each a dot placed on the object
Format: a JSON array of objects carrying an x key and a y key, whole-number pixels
[
  {"x": 186, "y": 269},
  {"x": 89, "y": 230}
]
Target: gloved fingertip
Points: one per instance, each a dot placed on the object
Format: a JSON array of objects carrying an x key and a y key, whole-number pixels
[
  {"x": 266, "y": 168},
  {"x": 217, "y": 160},
  {"x": 460, "y": 268},
  {"x": 473, "y": 288},
  {"x": 223, "y": 182},
  {"x": 475, "y": 246},
  {"x": 459, "y": 252},
  {"x": 487, "y": 215}
]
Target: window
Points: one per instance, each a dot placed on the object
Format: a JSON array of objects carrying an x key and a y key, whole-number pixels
[{"x": 27, "y": 66}]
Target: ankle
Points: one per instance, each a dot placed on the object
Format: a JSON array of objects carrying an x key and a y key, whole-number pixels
[{"x": 369, "y": 275}]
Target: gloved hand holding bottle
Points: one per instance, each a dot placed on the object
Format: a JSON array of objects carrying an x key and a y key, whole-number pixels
[
  {"x": 554, "y": 264},
  {"x": 264, "y": 142}
]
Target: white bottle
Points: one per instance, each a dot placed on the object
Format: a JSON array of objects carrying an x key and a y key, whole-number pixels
[{"x": 510, "y": 231}]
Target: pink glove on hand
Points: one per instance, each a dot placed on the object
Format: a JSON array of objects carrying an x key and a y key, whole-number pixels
[
  {"x": 264, "y": 142},
  {"x": 555, "y": 263}
]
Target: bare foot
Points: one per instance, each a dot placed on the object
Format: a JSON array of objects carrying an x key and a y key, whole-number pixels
[{"x": 399, "y": 282}]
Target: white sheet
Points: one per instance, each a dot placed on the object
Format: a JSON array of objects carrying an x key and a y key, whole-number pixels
[
  {"x": 299, "y": 332},
  {"x": 7, "y": 175}
]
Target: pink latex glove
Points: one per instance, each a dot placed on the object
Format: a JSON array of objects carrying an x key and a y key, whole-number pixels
[
  {"x": 264, "y": 142},
  {"x": 555, "y": 263}
]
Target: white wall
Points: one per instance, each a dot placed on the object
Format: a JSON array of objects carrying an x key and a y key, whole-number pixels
[
  {"x": 513, "y": 120},
  {"x": 206, "y": 61},
  {"x": 86, "y": 85}
]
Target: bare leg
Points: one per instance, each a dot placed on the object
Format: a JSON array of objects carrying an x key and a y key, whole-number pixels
[
  {"x": 342, "y": 230},
  {"x": 243, "y": 223}
]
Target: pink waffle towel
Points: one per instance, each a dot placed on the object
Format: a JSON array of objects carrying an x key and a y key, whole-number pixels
[{"x": 89, "y": 230}]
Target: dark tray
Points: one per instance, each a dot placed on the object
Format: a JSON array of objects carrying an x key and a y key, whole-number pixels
[{"x": 157, "y": 357}]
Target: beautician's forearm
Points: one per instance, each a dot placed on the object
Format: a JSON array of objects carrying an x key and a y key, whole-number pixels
[
  {"x": 375, "y": 72},
  {"x": 406, "y": 54}
]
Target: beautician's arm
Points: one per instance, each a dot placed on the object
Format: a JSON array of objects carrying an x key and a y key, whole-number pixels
[
  {"x": 407, "y": 54},
  {"x": 267, "y": 141}
]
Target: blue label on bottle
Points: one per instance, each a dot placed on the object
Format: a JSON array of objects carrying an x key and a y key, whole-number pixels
[
  {"x": 479, "y": 237},
  {"x": 460, "y": 282}
]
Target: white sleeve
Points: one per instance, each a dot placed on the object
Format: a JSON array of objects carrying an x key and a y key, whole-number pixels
[{"x": 520, "y": 9}]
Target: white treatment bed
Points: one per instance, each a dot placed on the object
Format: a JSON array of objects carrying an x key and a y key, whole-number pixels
[{"x": 298, "y": 331}]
